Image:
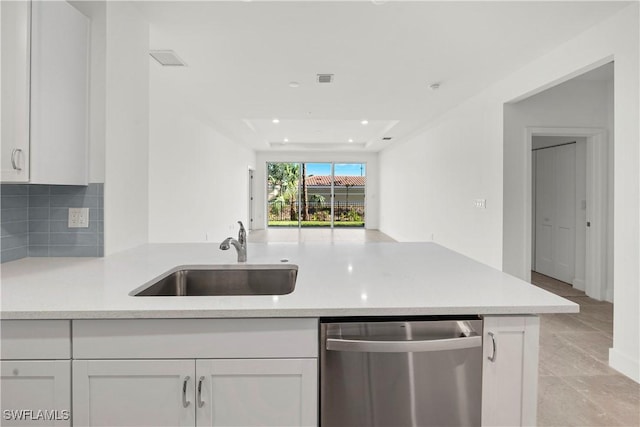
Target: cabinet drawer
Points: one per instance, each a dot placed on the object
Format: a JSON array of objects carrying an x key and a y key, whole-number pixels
[
  {"x": 194, "y": 338},
  {"x": 35, "y": 339}
]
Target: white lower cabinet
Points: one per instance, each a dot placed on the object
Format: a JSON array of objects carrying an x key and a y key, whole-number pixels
[
  {"x": 256, "y": 392},
  {"x": 36, "y": 392},
  {"x": 133, "y": 393},
  {"x": 216, "y": 392},
  {"x": 35, "y": 365},
  {"x": 195, "y": 372},
  {"x": 510, "y": 370}
]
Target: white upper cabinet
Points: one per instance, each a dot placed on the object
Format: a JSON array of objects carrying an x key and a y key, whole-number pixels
[
  {"x": 45, "y": 75},
  {"x": 59, "y": 94},
  {"x": 14, "y": 90}
]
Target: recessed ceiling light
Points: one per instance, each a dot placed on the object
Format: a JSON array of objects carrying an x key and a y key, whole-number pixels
[
  {"x": 350, "y": 139},
  {"x": 365, "y": 122},
  {"x": 286, "y": 140},
  {"x": 294, "y": 84},
  {"x": 276, "y": 121}
]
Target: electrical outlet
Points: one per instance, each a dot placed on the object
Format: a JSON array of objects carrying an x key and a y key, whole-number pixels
[
  {"x": 78, "y": 217},
  {"x": 480, "y": 203}
]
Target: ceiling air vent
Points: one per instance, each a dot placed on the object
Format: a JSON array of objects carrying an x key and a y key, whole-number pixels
[
  {"x": 325, "y": 78},
  {"x": 167, "y": 58},
  {"x": 387, "y": 138}
]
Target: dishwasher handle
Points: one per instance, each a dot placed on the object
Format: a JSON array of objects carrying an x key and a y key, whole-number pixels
[{"x": 338, "y": 344}]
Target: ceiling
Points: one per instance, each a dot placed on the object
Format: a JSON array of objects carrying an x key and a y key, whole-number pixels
[{"x": 241, "y": 57}]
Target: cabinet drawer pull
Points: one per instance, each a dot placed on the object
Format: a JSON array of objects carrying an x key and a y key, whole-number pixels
[
  {"x": 185, "y": 402},
  {"x": 14, "y": 157},
  {"x": 200, "y": 401},
  {"x": 494, "y": 351}
]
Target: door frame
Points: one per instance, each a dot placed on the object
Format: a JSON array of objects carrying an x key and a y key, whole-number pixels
[
  {"x": 251, "y": 190},
  {"x": 596, "y": 185}
]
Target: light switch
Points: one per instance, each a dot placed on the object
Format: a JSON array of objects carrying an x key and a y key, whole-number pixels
[{"x": 78, "y": 217}]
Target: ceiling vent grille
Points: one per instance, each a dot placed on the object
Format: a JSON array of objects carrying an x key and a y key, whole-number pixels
[
  {"x": 387, "y": 138},
  {"x": 325, "y": 78},
  {"x": 167, "y": 58}
]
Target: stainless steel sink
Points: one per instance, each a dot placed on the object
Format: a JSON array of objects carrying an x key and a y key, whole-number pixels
[{"x": 268, "y": 279}]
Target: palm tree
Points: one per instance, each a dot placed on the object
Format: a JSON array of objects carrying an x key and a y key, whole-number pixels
[
  {"x": 318, "y": 199},
  {"x": 283, "y": 177}
]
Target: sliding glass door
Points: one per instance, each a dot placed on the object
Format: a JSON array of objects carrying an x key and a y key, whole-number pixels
[
  {"x": 316, "y": 194},
  {"x": 349, "y": 192},
  {"x": 315, "y": 199}
]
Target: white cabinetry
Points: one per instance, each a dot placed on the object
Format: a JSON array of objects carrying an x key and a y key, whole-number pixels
[
  {"x": 14, "y": 90},
  {"x": 44, "y": 93},
  {"x": 256, "y": 392},
  {"x": 36, "y": 392},
  {"x": 133, "y": 393},
  {"x": 35, "y": 387},
  {"x": 218, "y": 372},
  {"x": 510, "y": 370}
]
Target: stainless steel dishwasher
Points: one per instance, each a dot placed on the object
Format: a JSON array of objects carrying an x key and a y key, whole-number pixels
[{"x": 401, "y": 373}]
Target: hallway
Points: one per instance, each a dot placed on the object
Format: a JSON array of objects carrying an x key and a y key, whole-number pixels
[{"x": 576, "y": 386}]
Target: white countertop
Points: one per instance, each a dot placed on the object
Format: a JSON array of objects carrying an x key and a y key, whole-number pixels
[{"x": 340, "y": 279}]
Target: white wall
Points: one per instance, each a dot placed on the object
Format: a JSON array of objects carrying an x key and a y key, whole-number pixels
[
  {"x": 372, "y": 187},
  {"x": 460, "y": 156},
  {"x": 573, "y": 104},
  {"x": 127, "y": 128},
  {"x": 97, "y": 13},
  {"x": 428, "y": 185},
  {"x": 198, "y": 178}
]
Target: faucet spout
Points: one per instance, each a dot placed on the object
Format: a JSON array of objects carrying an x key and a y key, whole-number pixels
[{"x": 240, "y": 245}]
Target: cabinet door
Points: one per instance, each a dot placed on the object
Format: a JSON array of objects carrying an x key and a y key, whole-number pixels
[
  {"x": 133, "y": 392},
  {"x": 257, "y": 392},
  {"x": 36, "y": 392},
  {"x": 14, "y": 90},
  {"x": 59, "y": 94},
  {"x": 510, "y": 370}
]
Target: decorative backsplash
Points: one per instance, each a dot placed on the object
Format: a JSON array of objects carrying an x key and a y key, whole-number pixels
[{"x": 34, "y": 220}]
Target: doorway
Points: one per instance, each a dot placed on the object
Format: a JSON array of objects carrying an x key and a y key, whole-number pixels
[
  {"x": 559, "y": 208},
  {"x": 320, "y": 195},
  {"x": 568, "y": 206}
]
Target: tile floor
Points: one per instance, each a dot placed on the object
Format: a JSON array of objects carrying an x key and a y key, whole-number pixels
[
  {"x": 576, "y": 386},
  {"x": 327, "y": 235}
]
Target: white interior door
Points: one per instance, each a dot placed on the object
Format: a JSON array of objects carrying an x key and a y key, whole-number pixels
[{"x": 555, "y": 193}]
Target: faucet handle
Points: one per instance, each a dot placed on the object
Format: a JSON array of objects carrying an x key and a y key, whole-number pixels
[{"x": 242, "y": 234}]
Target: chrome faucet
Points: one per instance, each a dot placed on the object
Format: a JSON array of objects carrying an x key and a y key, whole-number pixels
[{"x": 240, "y": 244}]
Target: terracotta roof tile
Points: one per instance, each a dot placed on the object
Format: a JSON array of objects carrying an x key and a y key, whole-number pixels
[{"x": 340, "y": 181}]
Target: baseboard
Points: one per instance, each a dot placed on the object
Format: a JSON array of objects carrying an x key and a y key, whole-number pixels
[
  {"x": 609, "y": 296},
  {"x": 624, "y": 364},
  {"x": 579, "y": 284}
]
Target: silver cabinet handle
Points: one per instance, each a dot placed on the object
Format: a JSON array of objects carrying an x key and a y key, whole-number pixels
[
  {"x": 14, "y": 157},
  {"x": 200, "y": 401},
  {"x": 336, "y": 344},
  {"x": 185, "y": 402},
  {"x": 494, "y": 352}
]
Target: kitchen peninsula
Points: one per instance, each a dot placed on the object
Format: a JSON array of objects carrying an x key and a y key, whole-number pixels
[{"x": 63, "y": 315}]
